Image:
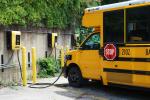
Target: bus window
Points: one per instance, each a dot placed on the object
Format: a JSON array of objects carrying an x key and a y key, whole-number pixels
[
  {"x": 114, "y": 26},
  {"x": 92, "y": 43},
  {"x": 138, "y": 25}
]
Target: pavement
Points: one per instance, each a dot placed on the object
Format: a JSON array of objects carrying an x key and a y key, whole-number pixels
[{"x": 62, "y": 91}]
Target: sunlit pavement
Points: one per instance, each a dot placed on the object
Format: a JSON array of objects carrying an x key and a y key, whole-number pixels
[{"x": 62, "y": 91}]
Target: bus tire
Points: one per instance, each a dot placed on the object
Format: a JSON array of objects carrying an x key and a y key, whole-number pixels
[{"x": 75, "y": 77}]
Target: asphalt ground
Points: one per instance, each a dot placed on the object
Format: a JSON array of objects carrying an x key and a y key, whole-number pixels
[{"x": 62, "y": 91}]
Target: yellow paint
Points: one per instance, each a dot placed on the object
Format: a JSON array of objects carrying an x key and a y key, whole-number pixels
[
  {"x": 101, "y": 32},
  {"x": 137, "y": 44},
  {"x": 34, "y": 73},
  {"x": 67, "y": 49},
  {"x": 24, "y": 67},
  {"x": 91, "y": 63},
  {"x": 14, "y": 45},
  {"x": 134, "y": 52},
  {"x": 54, "y": 36},
  {"x": 92, "y": 23}
]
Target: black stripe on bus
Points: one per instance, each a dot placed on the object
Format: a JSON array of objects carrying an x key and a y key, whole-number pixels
[
  {"x": 133, "y": 59},
  {"x": 130, "y": 59},
  {"x": 127, "y": 71}
]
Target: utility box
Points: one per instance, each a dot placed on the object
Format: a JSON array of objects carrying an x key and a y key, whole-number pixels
[
  {"x": 52, "y": 39},
  {"x": 13, "y": 39}
]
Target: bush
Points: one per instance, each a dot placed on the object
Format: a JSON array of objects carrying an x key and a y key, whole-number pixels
[{"x": 48, "y": 67}]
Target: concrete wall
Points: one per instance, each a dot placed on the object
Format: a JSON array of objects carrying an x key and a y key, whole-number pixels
[{"x": 29, "y": 39}]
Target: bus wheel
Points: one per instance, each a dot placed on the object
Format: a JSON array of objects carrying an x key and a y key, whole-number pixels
[{"x": 75, "y": 77}]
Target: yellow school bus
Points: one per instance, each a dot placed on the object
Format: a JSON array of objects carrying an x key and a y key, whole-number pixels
[{"x": 118, "y": 51}]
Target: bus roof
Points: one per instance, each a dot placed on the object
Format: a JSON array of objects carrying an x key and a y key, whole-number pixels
[{"x": 121, "y": 4}]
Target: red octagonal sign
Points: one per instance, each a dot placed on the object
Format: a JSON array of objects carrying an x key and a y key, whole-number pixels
[{"x": 110, "y": 52}]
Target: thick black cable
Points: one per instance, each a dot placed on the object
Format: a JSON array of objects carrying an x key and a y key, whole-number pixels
[
  {"x": 19, "y": 64},
  {"x": 36, "y": 85},
  {"x": 47, "y": 84}
]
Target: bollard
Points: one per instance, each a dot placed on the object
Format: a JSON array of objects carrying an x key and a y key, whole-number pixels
[
  {"x": 34, "y": 73},
  {"x": 67, "y": 49},
  {"x": 62, "y": 57},
  {"x": 24, "y": 70}
]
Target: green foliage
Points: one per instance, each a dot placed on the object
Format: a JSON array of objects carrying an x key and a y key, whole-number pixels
[
  {"x": 11, "y": 12},
  {"x": 83, "y": 33},
  {"x": 48, "y": 67},
  {"x": 47, "y": 13},
  {"x": 43, "y": 13}
]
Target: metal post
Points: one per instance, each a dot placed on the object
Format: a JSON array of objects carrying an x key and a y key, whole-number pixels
[
  {"x": 34, "y": 73},
  {"x": 62, "y": 57},
  {"x": 67, "y": 49},
  {"x": 24, "y": 70}
]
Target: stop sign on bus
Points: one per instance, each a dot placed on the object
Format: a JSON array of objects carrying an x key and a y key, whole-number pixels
[{"x": 110, "y": 52}]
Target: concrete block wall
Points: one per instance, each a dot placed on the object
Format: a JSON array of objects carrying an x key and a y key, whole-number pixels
[{"x": 29, "y": 39}]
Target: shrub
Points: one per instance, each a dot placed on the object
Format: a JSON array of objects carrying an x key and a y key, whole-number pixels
[{"x": 48, "y": 67}]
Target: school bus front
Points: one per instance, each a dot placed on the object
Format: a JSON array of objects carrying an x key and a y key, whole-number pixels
[{"x": 120, "y": 52}]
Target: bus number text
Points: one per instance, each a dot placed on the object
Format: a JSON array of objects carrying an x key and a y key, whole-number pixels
[
  {"x": 147, "y": 51},
  {"x": 125, "y": 51}
]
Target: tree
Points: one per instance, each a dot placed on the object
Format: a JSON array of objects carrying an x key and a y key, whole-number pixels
[
  {"x": 39, "y": 13},
  {"x": 45, "y": 13}
]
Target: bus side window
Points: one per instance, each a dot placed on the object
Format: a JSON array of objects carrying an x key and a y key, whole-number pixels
[
  {"x": 114, "y": 26},
  {"x": 138, "y": 24},
  {"x": 92, "y": 43}
]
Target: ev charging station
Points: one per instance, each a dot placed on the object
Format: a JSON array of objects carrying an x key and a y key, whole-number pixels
[
  {"x": 13, "y": 44},
  {"x": 13, "y": 39},
  {"x": 52, "y": 39}
]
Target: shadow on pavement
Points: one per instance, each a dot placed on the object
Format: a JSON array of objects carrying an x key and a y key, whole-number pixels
[{"x": 95, "y": 91}]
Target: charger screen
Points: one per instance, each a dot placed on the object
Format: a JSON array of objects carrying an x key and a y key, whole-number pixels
[{"x": 17, "y": 39}]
